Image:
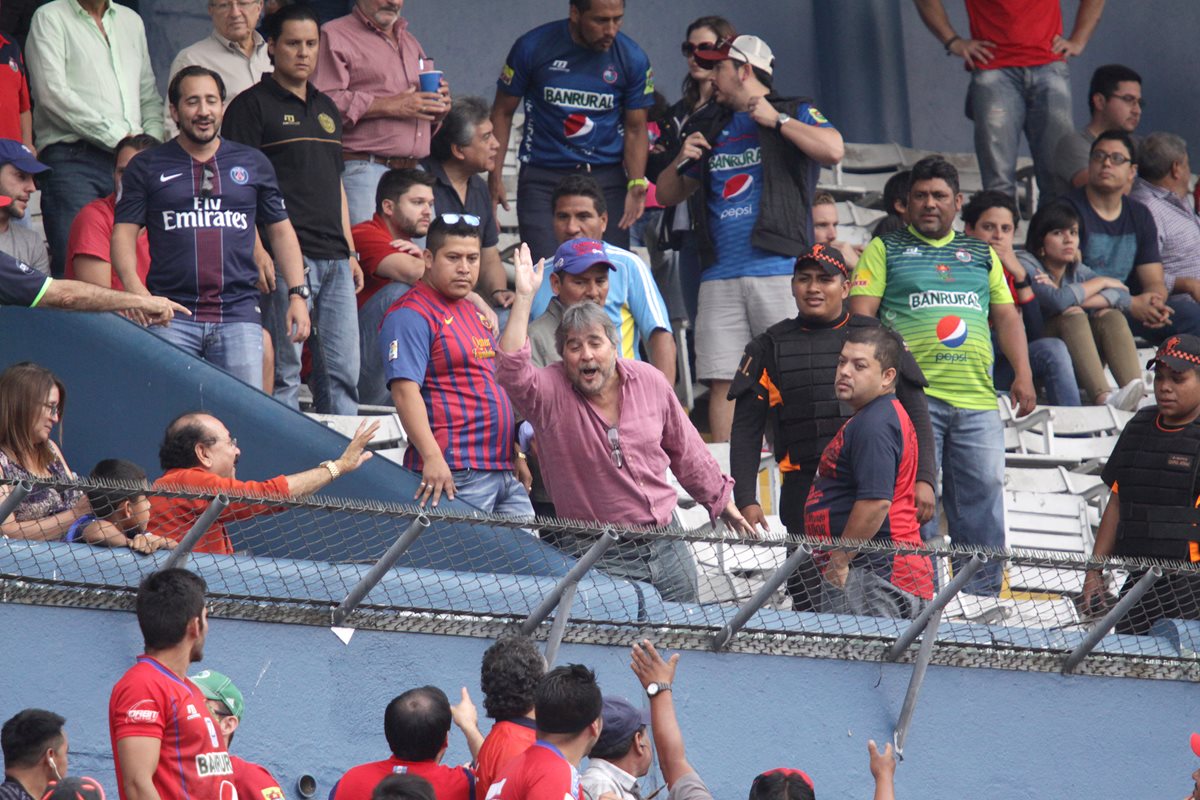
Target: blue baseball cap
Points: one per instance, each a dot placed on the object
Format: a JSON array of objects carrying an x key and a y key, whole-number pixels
[
  {"x": 577, "y": 256},
  {"x": 621, "y": 720},
  {"x": 20, "y": 156}
]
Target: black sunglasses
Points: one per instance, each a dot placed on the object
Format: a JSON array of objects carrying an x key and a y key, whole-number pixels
[{"x": 688, "y": 49}]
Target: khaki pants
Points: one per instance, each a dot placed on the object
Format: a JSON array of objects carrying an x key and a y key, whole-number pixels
[{"x": 1096, "y": 339}]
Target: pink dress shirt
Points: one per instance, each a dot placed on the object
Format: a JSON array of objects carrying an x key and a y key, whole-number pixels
[
  {"x": 576, "y": 461},
  {"x": 358, "y": 63}
]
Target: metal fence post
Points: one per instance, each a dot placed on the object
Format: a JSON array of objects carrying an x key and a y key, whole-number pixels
[
  {"x": 924, "y": 656},
  {"x": 573, "y": 576},
  {"x": 9, "y": 504},
  {"x": 723, "y": 636},
  {"x": 939, "y": 602},
  {"x": 179, "y": 555},
  {"x": 559, "y": 626},
  {"x": 379, "y": 569},
  {"x": 1109, "y": 620}
]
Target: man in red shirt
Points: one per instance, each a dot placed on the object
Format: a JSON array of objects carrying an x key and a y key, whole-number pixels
[
  {"x": 165, "y": 743},
  {"x": 226, "y": 704},
  {"x": 511, "y": 670},
  {"x": 568, "y": 706},
  {"x": 417, "y": 727},
  {"x": 199, "y": 453},
  {"x": 89, "y": 245},
  {"x": 16, "y": 116},
  {"x": 1019, "y": 79}
]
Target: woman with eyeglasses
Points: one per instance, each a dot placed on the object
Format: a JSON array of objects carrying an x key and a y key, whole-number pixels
[
  {"x": 32, "y": 401},
  {"x": 695, "y": 111}
]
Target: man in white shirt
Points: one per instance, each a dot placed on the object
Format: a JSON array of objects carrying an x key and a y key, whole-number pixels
[{"x": 621, "y": 755}]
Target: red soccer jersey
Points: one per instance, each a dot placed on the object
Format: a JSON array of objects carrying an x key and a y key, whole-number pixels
[
  {"x": 152, "y": 701},
  {"x": 373, "y": 241},
  {"x": 540, "y": 773},
  {"x": 1022, "y": 30},
  {"x": 14, "y": 89},
  {"x": 449, "y": 783},
  {"x": 505, "y": 741},
  {"x": 254, "y": 782}
]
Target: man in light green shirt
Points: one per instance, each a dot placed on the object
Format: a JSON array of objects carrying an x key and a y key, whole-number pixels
[{"x": 92, "y": 86}]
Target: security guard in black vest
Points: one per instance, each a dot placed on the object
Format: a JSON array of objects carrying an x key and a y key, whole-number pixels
[
  {"x": 1154, "y": 508},
  {"x": 786, "y": 379}
]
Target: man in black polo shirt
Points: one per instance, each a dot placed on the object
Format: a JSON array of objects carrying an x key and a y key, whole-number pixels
[
  {"x": 300, "y": 130},
  {"x": 463, "y": 147}
]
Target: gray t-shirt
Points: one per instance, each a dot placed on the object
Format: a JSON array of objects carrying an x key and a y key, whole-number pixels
[
  {"x": 1070, "y": 156},
  {"x": 689, "y": 787},
  {"x": 25, "y": 244}
]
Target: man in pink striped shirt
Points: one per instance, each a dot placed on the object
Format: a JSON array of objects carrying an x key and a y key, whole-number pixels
[
  {"x": 607, "y": 429},
  {"x": 370, "y": 64}
]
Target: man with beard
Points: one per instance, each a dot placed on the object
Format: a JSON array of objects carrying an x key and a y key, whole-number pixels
[
  {"x": 612, "y": 427},
  {"x": 199, "y": 197},
  {"x": 164, "y": 740},
  {"x": 17, "y": 170}
]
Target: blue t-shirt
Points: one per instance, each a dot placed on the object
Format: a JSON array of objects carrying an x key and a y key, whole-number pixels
[
  {"x": 735, "y": 184},
  {"x": 1114, "y": 248},
  {"x": 200, "y": 220},
  {"x": 20, "y": 284},
  {"x": 634, "y": 303},
  {"x": 575, "y": 97}
]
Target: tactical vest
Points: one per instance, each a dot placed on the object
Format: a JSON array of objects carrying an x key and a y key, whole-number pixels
[
  {"x": 810, "y": 415},
  {"x": 1156, "y": 474}
]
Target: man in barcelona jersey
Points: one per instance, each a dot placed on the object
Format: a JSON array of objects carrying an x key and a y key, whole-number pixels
[{"x": 199, "y": 197}]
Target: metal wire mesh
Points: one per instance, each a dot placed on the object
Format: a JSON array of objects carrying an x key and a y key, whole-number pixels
[{"x": 308, "y": 556}]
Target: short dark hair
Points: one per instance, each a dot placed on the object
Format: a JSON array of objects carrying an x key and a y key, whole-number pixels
[
  {"x": 396, "y": 182},
  {"x": 193, "y": 71},
  {"x": 1116, "y": 136},
  {"x": 985, "y": 200},
  {"x": 896, "y": 190},
  {"x": 403, "y": 786},
  {"x": 888, "y": 345},
  {"x": 781, "y": 785},
  {"x": 567, "y": 700},
  {"x": 28, "y": 734},
  {"x": 1159, "y": 152},
  {"x": 932, "y": 167},
  {"x": 178, "y": 447},
  {"x": 167, "y": 601},
  {"x": 441, "y": 230},
  {"x": 1050, "y": 217},
  {"x": 616, "y": 750},
  {"x": 105, "y": 499},
  {"x": 295, "y": 12},
  {"x": 586, "y": 5},
  {"x": 1105, "y": 80},
  {"x": 138, "y": 141},
  {"x": 579, "y": 186},
  {"x": 417, "y": 723},
  {"x": 458, "y": 127},
  {"x": 509, "y": 676}
]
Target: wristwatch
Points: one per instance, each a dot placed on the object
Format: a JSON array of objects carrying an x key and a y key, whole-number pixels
[
  {"x": 781, "y": 119},
  {"x": 302, "y": 291},
  {"x": 655, "y": 689}
]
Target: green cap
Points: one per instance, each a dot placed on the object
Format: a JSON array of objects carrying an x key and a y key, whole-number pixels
[{"x": 216, "y": 686}]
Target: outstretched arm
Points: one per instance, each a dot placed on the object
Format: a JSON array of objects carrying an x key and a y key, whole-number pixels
[
  {"x": 528, "y": 280},
  {"x": 650, "y": 668}
]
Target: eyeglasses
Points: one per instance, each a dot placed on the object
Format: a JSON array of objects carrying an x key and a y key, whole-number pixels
[
  {"x": 241, "y": 5},
  {"x": 614, "y": 446},
  {"x": 206, "y": 185},
  {"x": 53, "y": 408},
  {"x": 1116, "y": 159},
  {"x": 1130, "y": 99},
  {"x": 454, "y": 219}
]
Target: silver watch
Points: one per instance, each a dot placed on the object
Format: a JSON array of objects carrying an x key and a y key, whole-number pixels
[
  {"x": 656, "y": 688},
  {"x": 782, "y": 119}
]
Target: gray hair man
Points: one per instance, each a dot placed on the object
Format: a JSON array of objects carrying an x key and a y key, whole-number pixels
[{"x": 1161, "y": 185}]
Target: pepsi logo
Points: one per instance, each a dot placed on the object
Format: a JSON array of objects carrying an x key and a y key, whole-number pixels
[
  {"x": 737, "y": 186},
  {"x": 952, "y": 331},
  {"x": 577, "y": 125}
]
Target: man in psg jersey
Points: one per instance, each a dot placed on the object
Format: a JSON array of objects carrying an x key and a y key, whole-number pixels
[
  {"x": 567, "y": 706},
  {"x": 199, "y": 197},
  {"x": 165, "y": 742}
]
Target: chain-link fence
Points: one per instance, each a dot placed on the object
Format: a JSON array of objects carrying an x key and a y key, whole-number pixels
[{"x": 350, "y": 562}]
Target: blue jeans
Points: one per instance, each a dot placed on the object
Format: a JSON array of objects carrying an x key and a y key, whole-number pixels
[
  {"x": 969, "y": 446},
  {"x": 333, "y": 344},
  {"x": 361, "y": 179},
  {"x": 1003, "y": 103},
  {"x": 236, "y": 347},
  {"x": 1052, "y": 370},
  {"x": 372, "y": 387},
  {"x": 1186, "y": 319},
  {"x": 79, "y": 173},
  {"x": 492, "y": 491}
]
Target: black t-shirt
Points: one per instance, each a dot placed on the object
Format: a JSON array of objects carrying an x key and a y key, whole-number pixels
[
  {"x": 303, "y": 141},
  {"x": 479, "y": 201}
]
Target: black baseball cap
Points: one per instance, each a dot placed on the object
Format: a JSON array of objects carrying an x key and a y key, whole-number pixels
[
  {"x": 826, "y": 257},
  {"x": 1180, "y": 353}
]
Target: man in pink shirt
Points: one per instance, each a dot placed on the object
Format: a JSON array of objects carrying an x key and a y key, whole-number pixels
[
  {"x": 613, "y": 426},
  {"x": 370, "y": 64}
]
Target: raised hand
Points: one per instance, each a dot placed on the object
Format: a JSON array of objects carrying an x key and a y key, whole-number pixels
[{"x": 528, "y": 275}]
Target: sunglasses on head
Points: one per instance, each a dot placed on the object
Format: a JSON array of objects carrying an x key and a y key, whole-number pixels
[{"x": 454, "y": 219}]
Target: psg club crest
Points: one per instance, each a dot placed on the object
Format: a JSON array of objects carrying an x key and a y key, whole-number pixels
[
  {"x": 239, "y": 175},
  {"x": 610, "y": 74}
]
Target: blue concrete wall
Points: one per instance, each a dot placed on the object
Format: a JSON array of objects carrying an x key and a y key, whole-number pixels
[{"x": 315, "y": 706}]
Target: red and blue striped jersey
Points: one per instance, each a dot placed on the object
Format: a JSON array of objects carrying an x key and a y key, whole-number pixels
[
  {"x": 443, "y": 346},
  {"x": 200, "y": 220}
]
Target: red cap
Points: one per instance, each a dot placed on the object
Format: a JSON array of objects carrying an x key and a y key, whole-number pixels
[
  {"x": 789, "y": 771},
  {"x": 1196, "y": 743}
]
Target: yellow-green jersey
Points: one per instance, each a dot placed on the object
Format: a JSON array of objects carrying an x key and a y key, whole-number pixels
[{"x": 937, "y": 295}]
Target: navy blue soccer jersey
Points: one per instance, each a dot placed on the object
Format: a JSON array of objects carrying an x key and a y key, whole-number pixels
[
  {"x": 575, "y": 97},
  {"x": 200, "y": 218}
]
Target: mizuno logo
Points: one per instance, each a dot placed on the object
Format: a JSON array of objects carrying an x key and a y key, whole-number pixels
[{"x": 171, "y": 177}]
